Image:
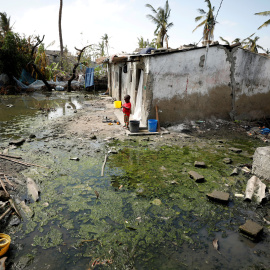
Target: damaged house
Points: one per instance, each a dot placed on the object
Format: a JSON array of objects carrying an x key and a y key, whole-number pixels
[{"x": 195, "y": 83}]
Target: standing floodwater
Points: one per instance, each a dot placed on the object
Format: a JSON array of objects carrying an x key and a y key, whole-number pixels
[{"x": 149, "y": 213}]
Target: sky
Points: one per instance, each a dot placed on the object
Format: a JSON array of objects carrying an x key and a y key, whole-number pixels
[{"x": 84, "y": 22}]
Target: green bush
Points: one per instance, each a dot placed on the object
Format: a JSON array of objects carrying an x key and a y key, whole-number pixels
[{"x": 15, "y": 54}]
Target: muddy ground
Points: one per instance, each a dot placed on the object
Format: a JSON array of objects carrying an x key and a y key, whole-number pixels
[
  {"x": 90, "y": 123},
  {"x": 86, "y": 133}
]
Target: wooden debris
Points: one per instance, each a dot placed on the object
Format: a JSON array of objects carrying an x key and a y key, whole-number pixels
[
  {"x": 103, "y": 165},
  {"x": 3, "y": 186},
  {"x": 4, "y": 196},
  {"x": 5, "y": 213},
  {"x": 14, "y": 206},
  {"x": 8, "y": 181},
  {"x": 23, "y": 163},
  {"x": 5, "y": 155},
  {"x": 97, "y": 194}
]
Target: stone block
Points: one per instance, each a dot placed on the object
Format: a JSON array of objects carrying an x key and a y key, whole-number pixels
[
  {"x": 251, "y": 229},
  {"x": 261, "y": 161},
  {"x": 227, "y": 160},
  {"x": 199, "y": 164},
  {"x": 219, "y": 196},
  {"x": 235, "y": 150},
  {"x": 197, "y": 177}
]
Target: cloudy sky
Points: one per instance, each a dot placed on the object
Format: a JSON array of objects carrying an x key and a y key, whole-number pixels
[{"x": 85, "y": 21}]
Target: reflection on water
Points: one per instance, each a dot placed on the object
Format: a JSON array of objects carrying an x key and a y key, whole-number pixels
[
  {"x": 35, "y": 108},
  {"x": 55, "y": 104}
]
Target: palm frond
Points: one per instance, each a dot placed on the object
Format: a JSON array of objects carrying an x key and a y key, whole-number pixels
[
  {"x": 265, "y": 24},
  {"x": 152, "y": 18},
  {"x": 264, "y": 13},
  {"x": 201, "y": 24},
  {"x": 198, "y": 18},
  {"x": 149, "y": 6},
  {"x": 224, "y": 40},
  {"x": 236, "y": 40},
  {"x": 248, "y": 37},
  {"x": 208, "y": 4},
  {"x": 167, "y": 9},
  {"x": 260, "y": 47},
  {"x": 169, "y": 25},
  {"x": 201, "y": 11}
]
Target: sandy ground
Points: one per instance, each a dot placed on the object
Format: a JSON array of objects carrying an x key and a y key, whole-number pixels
[{"x": 91, "y": 121}]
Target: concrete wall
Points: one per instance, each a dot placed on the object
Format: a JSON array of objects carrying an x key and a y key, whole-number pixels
[
  {"x": 229, "y": 84},
  {"x": 251, "y": 85},
  {"x": 186, "y": 87}
]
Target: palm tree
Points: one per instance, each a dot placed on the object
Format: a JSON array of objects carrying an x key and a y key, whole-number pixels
[
  {"x": 208, "y": 21},
  {"x": 264, "y": 13},
  {"x": 160, "y": 18},
  {"x": 252, "y": 45},
  {"x": 4, "y": 23},
  {"x": 60, "y": 34},
  {"x": 105, "y": 38},
  {"x": 101, "y": 48}
]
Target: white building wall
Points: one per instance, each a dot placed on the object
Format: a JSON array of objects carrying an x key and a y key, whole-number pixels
[{"x": 185, "y": 73}]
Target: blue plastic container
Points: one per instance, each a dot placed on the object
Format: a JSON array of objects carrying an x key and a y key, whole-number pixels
[{"x": 152, "y": 125}]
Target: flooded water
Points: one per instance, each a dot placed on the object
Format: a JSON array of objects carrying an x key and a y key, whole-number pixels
[
  {"x": 149, "y": 213},
  {"x": 34, "y": 108}
]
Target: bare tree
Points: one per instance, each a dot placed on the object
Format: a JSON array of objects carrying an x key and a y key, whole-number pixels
[
  {"x": 75, "y": 67},
  {"x": 36, "y": 69}
]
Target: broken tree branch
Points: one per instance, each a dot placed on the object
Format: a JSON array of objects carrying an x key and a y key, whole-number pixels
[
  {"x": 23, "y": 163},
  {"x": 10, "y": 156},
  {"x": 38, "y": 42},
  {"x": 5, "y": 213},
  {"x": 8, "y": 181},
  {"x": 14, "y": 206},
  {"x": 103, "y": 165},
  {"x": 40, "y": 75},
  {"x": 3, "y": 186},
  {"x": 75, "y": 66}
]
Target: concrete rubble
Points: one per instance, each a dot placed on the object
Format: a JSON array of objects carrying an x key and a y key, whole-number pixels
[
  {"x": 197, "y": 177},
  {"x": 261, "y": 162},
  {"x": 251, "y": 229},
  {"x": 219, "y": 196},
  {"x": 255, "y": 187}
]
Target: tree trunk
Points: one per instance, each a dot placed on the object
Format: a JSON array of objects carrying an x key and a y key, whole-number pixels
[
  {"x": 75, "y": 67},
  {"x": 60, "y": 34},
  {"x": 41, "y": 76}
]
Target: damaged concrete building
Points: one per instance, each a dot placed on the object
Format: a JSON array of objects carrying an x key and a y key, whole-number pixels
[{"x": 194, "y": 84}]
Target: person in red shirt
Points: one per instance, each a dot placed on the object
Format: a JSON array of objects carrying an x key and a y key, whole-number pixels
[{"x": 126, "y": 110}]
